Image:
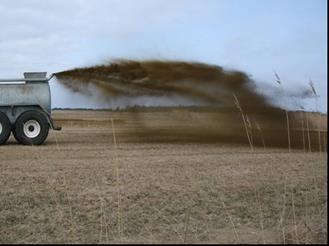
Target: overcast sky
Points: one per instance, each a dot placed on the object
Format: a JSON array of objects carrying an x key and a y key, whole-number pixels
[{"x": 256, "y": 36}]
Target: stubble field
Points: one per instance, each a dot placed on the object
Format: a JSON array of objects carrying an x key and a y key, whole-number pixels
[{"x": 101, "y": 180}]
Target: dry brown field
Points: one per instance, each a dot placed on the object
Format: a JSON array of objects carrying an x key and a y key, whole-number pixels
[{"x": 162, "y": 176}]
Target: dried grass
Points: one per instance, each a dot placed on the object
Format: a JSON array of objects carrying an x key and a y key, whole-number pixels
[
  {"x": 172, "y": 192},
  {"x": 237, "y": 104}
]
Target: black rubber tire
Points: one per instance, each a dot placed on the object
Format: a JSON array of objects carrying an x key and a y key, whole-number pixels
[
  {"x": 14, "y": 134},
  {"x": 18, "y": 130},
  {"x": 5, "y": 128}
]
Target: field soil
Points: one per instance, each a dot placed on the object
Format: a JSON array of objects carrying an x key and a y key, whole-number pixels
[{"x": 161, "y": 176}]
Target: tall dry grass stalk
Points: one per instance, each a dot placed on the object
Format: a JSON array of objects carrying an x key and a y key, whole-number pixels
[
  {"x": 169, "y": 223},
  {"x": 278, "y": 80},
  {"x": 261, "y": 133},
  {"x": 249, "y": 125},
  {"x": 261, "y": 213},
  {"x": 325, "y": 134},
  {"x": 231, "y": 220},
  {"x": 186, "y": 226},
  {"x": 303, "y": 131},
  {"x": 103, "y": 218},
  {"x": 119, "y": 214},
  {"x": 288, "y": 130},
  {"x": 237, "y": 104},
  {"x": 308, "y": 134},
  {"x": 69, "y": 200},
  {"x": 282, "y": 215},
  {"x": 317, "y": 111},
  {"x": 52, "y": 192},
  {"x": 294, "y": 214}
]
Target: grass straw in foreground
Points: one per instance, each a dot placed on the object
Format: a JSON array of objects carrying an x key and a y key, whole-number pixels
[
  {"x": 288, "y": 130},
  {"x": 283, "y": 212},
  {"x": 319, "y": 115},
  {"x": 186, "y": 226},
  {"x": 249, "y": 125},
  {"x": 237, "y": 104},
  {"x": 119, "y": 216},
  {"x": 261, "y": 133},
  {"x": 278, "y": 80},
  {"x": 303, "y": 130},
  {"x": 325, "y": 149},
  {"x": 308, "y": 133}
]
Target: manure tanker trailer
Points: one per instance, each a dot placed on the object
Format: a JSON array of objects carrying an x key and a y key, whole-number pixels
[{"x": 25, "y": 109}]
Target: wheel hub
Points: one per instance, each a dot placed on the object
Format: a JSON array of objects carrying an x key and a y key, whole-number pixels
[
  {"x": 31, "y": 128},
  {"x": 0, "y": 128}
]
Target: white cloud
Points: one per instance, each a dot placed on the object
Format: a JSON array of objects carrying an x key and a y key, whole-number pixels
[{"x": 57, "y": 32}]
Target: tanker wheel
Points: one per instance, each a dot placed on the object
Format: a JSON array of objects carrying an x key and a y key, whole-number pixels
[
  {"x": 5, "y": 128},
  {"x": 31, "y": 128}
]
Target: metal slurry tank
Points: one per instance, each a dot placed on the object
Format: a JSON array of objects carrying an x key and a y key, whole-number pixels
[{"x": 25, "y": 108}]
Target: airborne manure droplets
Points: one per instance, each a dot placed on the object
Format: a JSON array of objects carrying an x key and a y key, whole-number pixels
[{"x": 231, "y": 95}]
